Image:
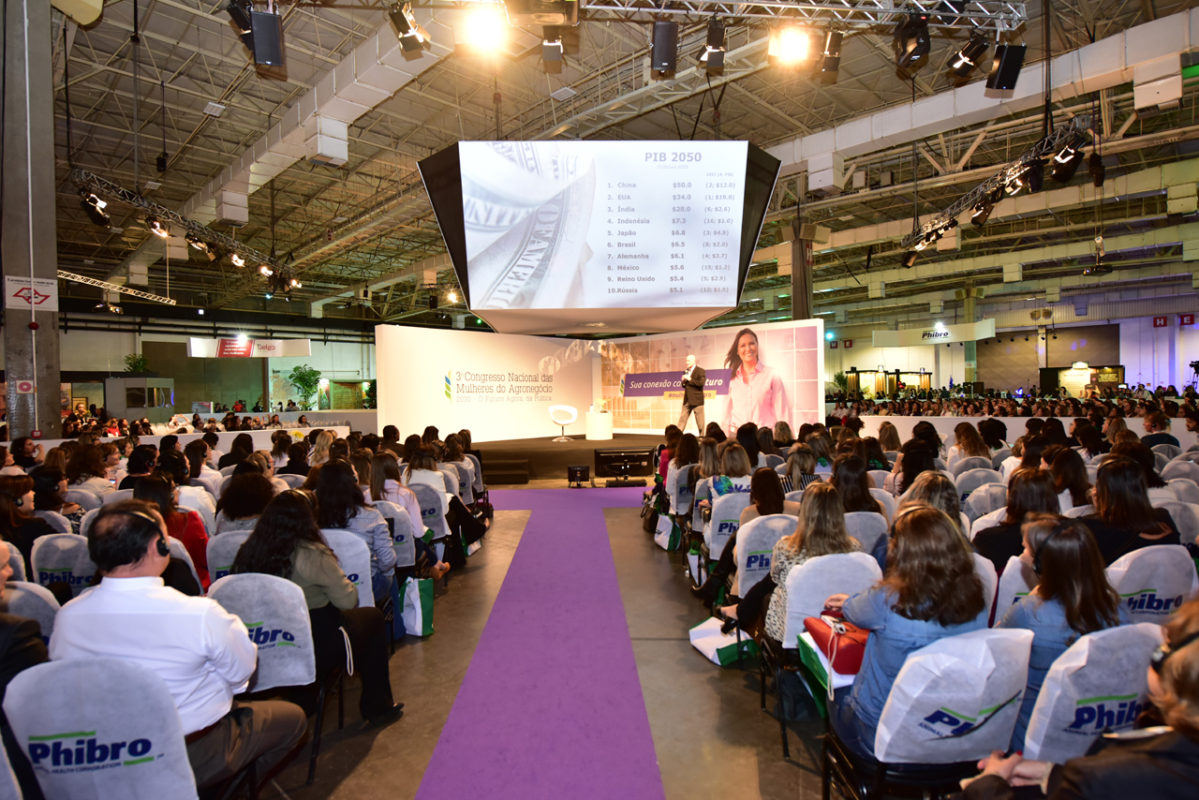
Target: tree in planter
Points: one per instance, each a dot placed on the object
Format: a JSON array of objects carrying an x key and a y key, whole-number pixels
[
  {"x": 136, "y": 362},
  {"x": 305, "y": 380}
]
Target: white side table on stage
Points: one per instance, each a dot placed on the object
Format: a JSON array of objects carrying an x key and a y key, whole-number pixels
[{"x": 599, "y": 425}]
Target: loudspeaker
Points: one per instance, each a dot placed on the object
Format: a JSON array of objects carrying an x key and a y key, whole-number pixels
[
  {"x": 665, "y": 47},
  {"x": 1005, "y": 68},
  {"x": 266, "y": 33}
]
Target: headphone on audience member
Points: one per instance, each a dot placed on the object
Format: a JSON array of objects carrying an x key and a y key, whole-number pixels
[
  {"x": 1162, "y": 654},
  {"x": 1036, "y": 556},
  {"x": 147, "y": 526}
]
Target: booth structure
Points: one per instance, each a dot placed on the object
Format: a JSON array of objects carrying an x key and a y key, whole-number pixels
[
  {"x": 137, "y": 397},
  {"x": 881, "y": 382}
]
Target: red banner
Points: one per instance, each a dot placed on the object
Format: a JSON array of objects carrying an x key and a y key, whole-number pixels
[
  {"x": 1186, "y": 319},
  {"x": 1161, "y": 322},
  {"x": 848, "y": 343},
  {"x": 234, "y": 348}
]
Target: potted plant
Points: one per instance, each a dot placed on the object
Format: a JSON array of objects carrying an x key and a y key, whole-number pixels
[{"x": 305, "y": 380}]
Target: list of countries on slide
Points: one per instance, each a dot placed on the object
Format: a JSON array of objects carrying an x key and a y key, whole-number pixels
[{"x": 603, "y": 224}]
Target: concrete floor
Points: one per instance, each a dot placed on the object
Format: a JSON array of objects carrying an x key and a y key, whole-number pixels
[{"x": 710, "y": 736}]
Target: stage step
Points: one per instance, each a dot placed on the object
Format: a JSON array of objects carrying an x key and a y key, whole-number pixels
[{"x": 506, "y": 470}]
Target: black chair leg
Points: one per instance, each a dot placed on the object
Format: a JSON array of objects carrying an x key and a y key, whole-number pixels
[
  {"x": 318, "y": 723},
  {"x": 778, "y": 687}
]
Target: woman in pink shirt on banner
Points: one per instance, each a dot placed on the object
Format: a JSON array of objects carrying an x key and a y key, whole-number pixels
[{"x": 756, "y": 392}]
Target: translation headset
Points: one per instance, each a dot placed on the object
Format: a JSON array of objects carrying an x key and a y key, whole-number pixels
[{"x": 1162, "y": 654}]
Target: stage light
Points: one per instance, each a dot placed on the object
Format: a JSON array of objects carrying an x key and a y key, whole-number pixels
[
  {"x": 485, "y": 30},
  {"x": 909, "y": 259},
  {"x": 196, "y": 243},
  {"x": 712, "y": 56},
  {"x": 1066, "y": 163},
  {"x": 968, "y": 57},
  {"x": 237, "y": 260},
  {"x": 664, "y": 48},
  {"x": 911, "y": 44},
  {"x": 1096, "y": 168},
  {"x": 413, "y": 38},
  {"x": 982, "y": 212},
  {"x": 265, "y": 271},
  {"x": 830, "y": 61},
  {"x": 94, "y": 206},
  {"x": 200, "y": 311},
  {"x": 553, "y": 50},
  {"x": 451, "y": 296},
  {"x": 1034, "y": 175},
  {"x": 239, "y": 16},
  {"x": 829, "y": 336},
  {"x": 157, "y": 228},
  {"x": 294, "y": 283},
  {"x": 789, "y": 45}
]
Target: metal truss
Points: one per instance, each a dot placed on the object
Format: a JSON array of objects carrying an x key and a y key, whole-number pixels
[
  {"x": 114, "y": 287},
  {"x": 1070, "y": 134}
]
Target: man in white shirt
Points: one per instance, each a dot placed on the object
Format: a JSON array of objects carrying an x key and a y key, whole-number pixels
[{"x": 202, "y": 652}]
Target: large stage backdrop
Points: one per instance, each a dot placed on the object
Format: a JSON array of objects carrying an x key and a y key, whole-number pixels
[
  {"x": 640, "y": 383},
  {"x": 501, "y": 386}
]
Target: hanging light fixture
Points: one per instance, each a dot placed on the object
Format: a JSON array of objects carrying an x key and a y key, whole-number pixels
[
  {"x": 157, "y": 228},
  {"x": 94, "y": 206},
  {"x": 237, "y": 260}
]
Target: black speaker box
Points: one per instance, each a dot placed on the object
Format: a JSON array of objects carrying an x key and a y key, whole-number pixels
[
  {"x": 665, "y": 46},
  {"x": 1005, "y": 69},
  {"x": 266, "y": 32}
]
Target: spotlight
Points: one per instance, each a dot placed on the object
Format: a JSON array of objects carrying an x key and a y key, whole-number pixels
[
  {"x": 197, "y": 243},
  {"x": 789, "y": 45},
  {"x": 830, "y": 61},
  {"x": 237, "y": 260},
  {"x": 200, "y": 311},
  {"x": 452, "y": 296},
  {"x": 485, "y": 30},
  {"x": 294, "y": 283},
  {"x": 909, "y": 259},
  {"x": 1034, "y": 175},
  {"x": 1096, "y": 168},
  {"x": 413, "y": 38},
  {"x": 215, "y": 253},
  {"x": 94, "y": 206},
  {"x": 157, "y": 228},
  {"x": 712, "y": 56},
  {"x": 1066, "y": 163},
  {"x": 265, "y": 271},
  {"x": 664, "y": 47},
  {"x": 982, "y": 212},
  {"x": 968, "y": 57},
  {"x": 239, "y": 15},
  {"x": 911, "y": 44},
  {"x": 552, "y": 49}
]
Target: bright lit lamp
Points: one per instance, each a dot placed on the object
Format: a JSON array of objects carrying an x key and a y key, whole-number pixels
[
  {"x": 485, "y": 30},
  {"x": 789, "y": 45}
]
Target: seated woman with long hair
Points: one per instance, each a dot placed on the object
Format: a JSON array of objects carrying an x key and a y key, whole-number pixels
[
  {"x": 1072, "y": 598},
  {"x": 666, "y": 452},
  {"x": 822, "y": 446},
  {"x": 50, "y": 494},
  {"x": 1156, "y": 762},
  {"x": 853, "y": 484},
  {"x": 287, "y": 542},
  {"x": 422, "y": 468},
  {"x": 186, "y": 526},
  {"x": 244, "y": 498},
  {"x": 86, "y": 470},
  {"x": 385, "y": 485},
  {"x": 1157, "y": 489},
  {"x": 997, "y": 536},
  {"x": 243, "y": 445},
  {"x": 297, "y": 459},
  {"x": 17, "y": 521},
  {"x": 968, "y": 443},
  {"x": 888, "y": 437},
  {"x": 1070, "y": 479},
  {"x": 869, "y": 450},
  {"x": 928, "y": 592},
  {"x": 916, "y": 456},
  {"x": 340, "y": 504},
  {"x": 783, "y": 437},
  {"x": 1124, "y": 520}
]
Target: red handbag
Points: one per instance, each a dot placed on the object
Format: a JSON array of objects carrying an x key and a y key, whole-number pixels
[{"x": 842, "y": 643}]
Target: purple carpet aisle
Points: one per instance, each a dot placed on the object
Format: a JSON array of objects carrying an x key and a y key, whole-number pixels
[{"x": 551, "y": 705}]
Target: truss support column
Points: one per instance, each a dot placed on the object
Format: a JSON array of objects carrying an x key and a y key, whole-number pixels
[
  {"x": 970, "y": 312},
  {"x": 801, "y": 273},
  {"x": 28, "y": 241}
]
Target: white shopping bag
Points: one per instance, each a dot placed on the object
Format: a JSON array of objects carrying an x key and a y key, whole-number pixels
[{"x": 720, "y": 648}]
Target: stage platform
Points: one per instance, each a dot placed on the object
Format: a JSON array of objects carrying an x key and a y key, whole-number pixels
[{"x": 542, "y": 463}]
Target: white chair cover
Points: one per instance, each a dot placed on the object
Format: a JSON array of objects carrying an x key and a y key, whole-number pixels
[
  {"x": 465, "y": 487},
  {"x": 1097, "y": 685},
  {"x": 34, "y": 601},
  {"x": 355, "y": 558},
  {"x": 684, "y": 497},
  {"x": 985, "y": 499},
  {"x": 887, "y": 501},
  {"x": 477, "y": 479},
  {"x": 774, "y": 461},
  {"x": 985, "y": 571},
  {"x": 1017, "y": 581},
  {"x": 956, "y": 699},
  {"x": 227, "y": 471},
  {"x": 971, "y": 479},
  {"x": 971, "y": 463},
  {"x": 810, "y": 584},
  {"x": 276, "y": 617},
  {"x": 795, "y": 496},
  {"x": 400, "y": 525},
  {"x": 118, "y": 496},
  {"x": 292, "y": 481},
  {"x": 207, "y": 515},
  {"x": 867, "y": 527},
  {"x": 726, "y": 518},
  {"x": 83, "y": 498},
  {"x": 1080, "y": 511},
  {"x": 451, "y": 478},
  {"x": 1153, "y": 581},
  {"x": 703, "y": 491},
  {"x": 62, "y": 557},
  {"x": 180, "y": 552},
  {"x": 432, "y": 510},
  {"x": 988, "y": 520},
  {"x": 1001, "y": 455},
  {"x": 1184, "y": 489},
  {"x": 1170, "y": 451},
  {"x": 1186, "y": 519},
  {"x": 1181, "y": 469},
  {"x": 133, "y": 745},
  {"x": 878, "y": 478},
  {"x": 755, "y": 546},
  {"x": 222, "y": 550},
  {"x": 57, "y": 521},
  {"x": 16, "y": 562}
]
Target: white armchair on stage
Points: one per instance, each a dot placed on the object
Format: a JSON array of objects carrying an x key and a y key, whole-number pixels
[{"x": 563, "y": 416}]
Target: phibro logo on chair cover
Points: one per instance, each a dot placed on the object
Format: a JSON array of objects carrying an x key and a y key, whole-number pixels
[
  {"x": 85, "y": 753},
  {"x": 758, "y": 559},
  {"x": 1097, "y": 714},
  {"x": 267, "y": 638},
  {"x": 947, "y": 723},
  {"x": 64, "y": 574},
  {"x": 729, "y": 525},
  {"x": 1147, "y": 600}
]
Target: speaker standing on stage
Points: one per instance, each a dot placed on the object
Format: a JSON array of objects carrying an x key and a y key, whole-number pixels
[{"x": 693, "y": 394}]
